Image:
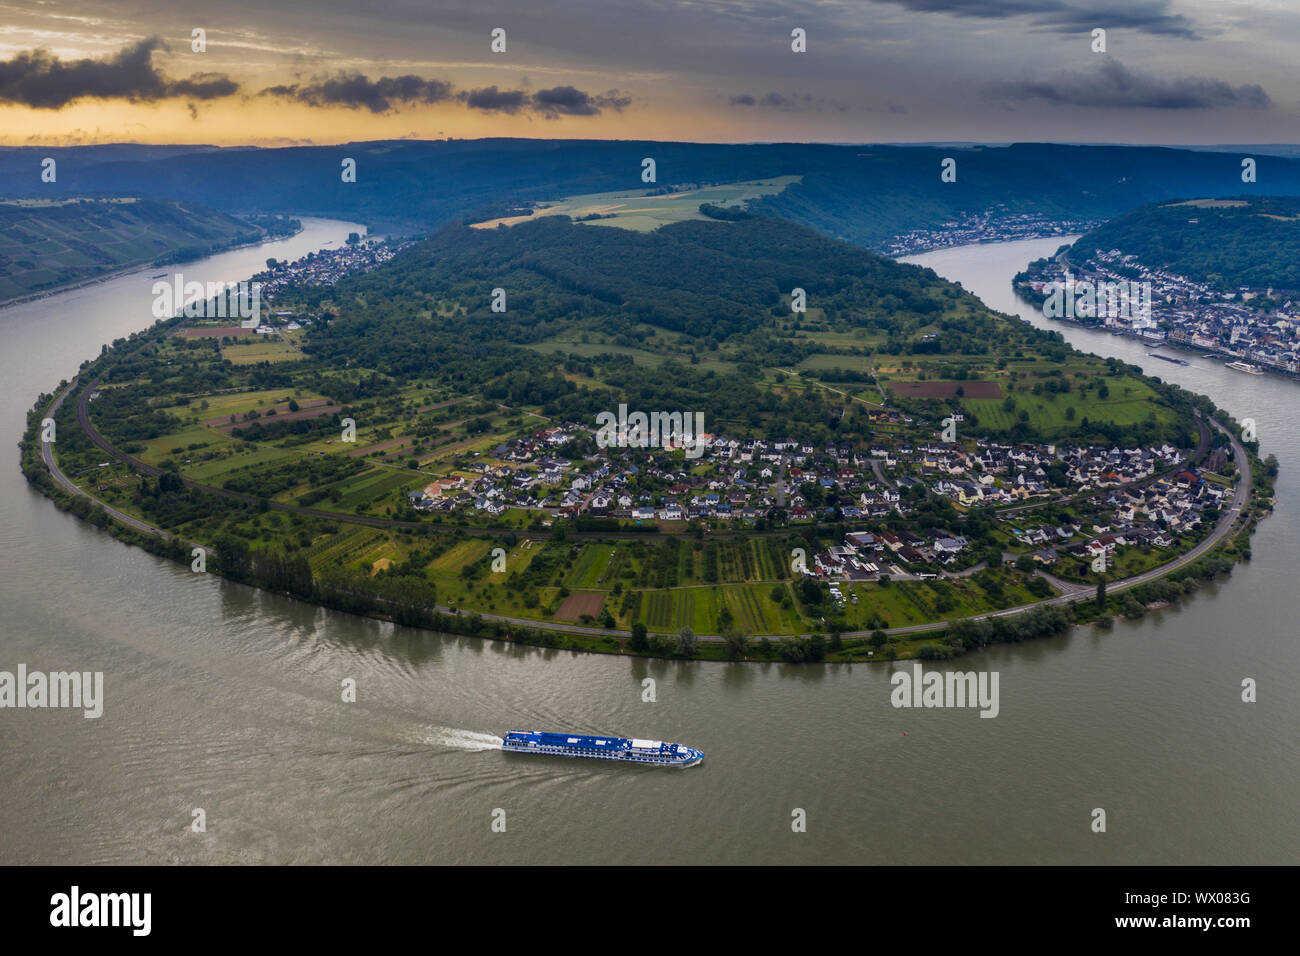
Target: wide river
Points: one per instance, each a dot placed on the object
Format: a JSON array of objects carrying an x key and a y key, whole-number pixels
[{"x": 228, "y": 699}]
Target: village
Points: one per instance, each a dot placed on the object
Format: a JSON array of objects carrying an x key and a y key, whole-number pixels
[
  {"x": 325, "y": 267},
  {"x": 1117, "y": 496},
  {"x": 1192, "y": 314},
  {"x": 994, "y": 225}
]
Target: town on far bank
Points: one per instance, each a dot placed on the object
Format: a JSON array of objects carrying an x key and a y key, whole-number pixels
[{"x": 1211, "y": 304}]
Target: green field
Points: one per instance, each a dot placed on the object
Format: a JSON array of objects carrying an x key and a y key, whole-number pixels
[
  {"x": 633, "y": 209},
  {"x": 266, "y": 349},
  {"x": 1130, "y": 401}
]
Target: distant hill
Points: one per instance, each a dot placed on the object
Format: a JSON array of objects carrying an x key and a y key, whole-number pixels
[
  {"x": 863, "y": 194},
  {"x": 47, "y": 244},
  {"x": 1244, "y": 241}
]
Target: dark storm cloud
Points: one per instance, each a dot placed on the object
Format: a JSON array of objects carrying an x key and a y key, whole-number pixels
[
  {"x": 1114, "y": 86},
  {"x": 1145, "y": 16},
  {"x": 205, "y": 86},
  {"x": 44, "y": 81},
  {"x": 491, "y": 99},
  {"x": 358, "y": 91},
  {"x": 568, "y": 101}
]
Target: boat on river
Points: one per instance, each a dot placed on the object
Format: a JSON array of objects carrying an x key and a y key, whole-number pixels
[{"x": 626, "y": 749}]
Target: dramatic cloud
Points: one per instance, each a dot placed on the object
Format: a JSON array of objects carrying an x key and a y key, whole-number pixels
[
  {"x": 43, "y": 81},
  {"x": 1113, "y": 86},
  {"x": 205, "y": 86},
  {"x": 1145, "y": 16},
  {"x": 506, "y": 101},
  {"x": 568, "y": 101},
  {"x": 357, "y": 91}
]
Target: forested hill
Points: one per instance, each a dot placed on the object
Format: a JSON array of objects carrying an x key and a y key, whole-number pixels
[
  {"x": 864, "y": 194},
  {"x": 1244, "y": 241},
  {"x": 713, "y": 284},
  {"x": 46, "y": 244},
  {"x": 694, "y": 315}
]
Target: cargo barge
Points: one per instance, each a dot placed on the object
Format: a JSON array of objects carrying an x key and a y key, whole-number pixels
[{"x": 1168, "y": 358}]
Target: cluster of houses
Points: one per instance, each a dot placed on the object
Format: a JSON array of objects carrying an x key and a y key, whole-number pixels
[
  {"x": 867, "y": 555},
  {"x": 1152, "y": 515},
  {"x": 993, "y": 225},
  {"x": 996, "y": 473},
  {"x": 745, "y": 480},
  {"x": 325, "y": 267},
  {"x": 1198, "y": 315}
]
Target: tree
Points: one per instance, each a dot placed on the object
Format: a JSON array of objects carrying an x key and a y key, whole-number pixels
[
  {"x": 233, "y": 556},
  {"x": 1101, "y": 594},
  {"x": 735, "y": 644},
  {"x": 877, "y": 638},
  {"x": 687, "y": 644},
  {"x": 810, "y": 591}
]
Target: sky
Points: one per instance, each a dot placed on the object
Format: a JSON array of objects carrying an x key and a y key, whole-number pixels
[{"x": 284, "y": 72}]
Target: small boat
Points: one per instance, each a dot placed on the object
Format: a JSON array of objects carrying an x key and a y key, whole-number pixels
[
  {"x": 1246, "y": 367},
  {"x": 627, "y": 749}
]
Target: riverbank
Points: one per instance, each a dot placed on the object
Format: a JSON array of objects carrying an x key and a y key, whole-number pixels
[
  {"x": 934, "y": 640},
  {"x": 144, "y": 267}
]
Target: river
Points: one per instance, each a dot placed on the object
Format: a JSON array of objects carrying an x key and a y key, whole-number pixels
[{"x": 228, "y": 699}]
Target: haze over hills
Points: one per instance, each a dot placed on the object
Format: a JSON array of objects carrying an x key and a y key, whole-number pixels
[{"x": 864, "y": 194}]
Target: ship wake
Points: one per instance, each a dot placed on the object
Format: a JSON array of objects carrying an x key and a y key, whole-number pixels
[{"x": 455, "y": 739}]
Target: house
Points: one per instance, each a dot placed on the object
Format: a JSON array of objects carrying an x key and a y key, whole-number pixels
[{"x": 1100, "y": 546}]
